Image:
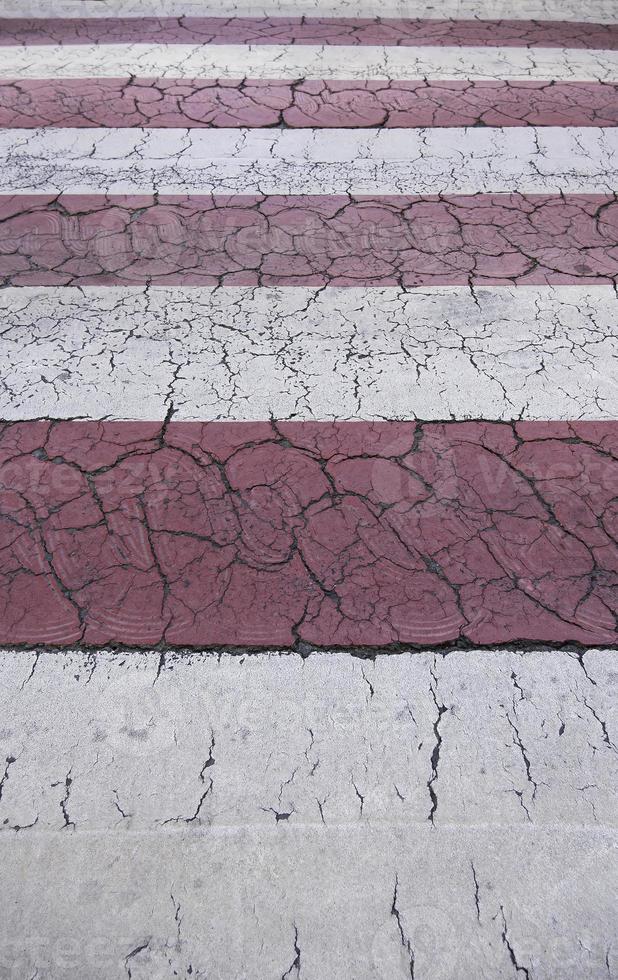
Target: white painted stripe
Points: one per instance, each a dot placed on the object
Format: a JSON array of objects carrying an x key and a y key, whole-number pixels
[
  {"x": 377, "y": 716},
  {"x": 175, "y": 869},
  {"x": 306, "y": 61},
  {"x": 248, "y": 893},
  {"x": 300, "y": 353},
  {"x": 274, "y": 161},
  {"x": 593, "y": 11}
]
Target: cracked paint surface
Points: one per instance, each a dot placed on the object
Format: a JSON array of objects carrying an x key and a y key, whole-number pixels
[
  {"x": 298, "y": 62},
  {"x": 122, "y": 769},
  {"x": 315, "y": 162},
  {"x": 595, "y": 11},
  {"x": 196, "y": 103},
  {"x": 308, "y": 240},
  {"x": 308, "y": 30},
  {"x": 254, "y": 534},
  {"x": 301, "y": 698},
  {"x": 543, "y": 352}
]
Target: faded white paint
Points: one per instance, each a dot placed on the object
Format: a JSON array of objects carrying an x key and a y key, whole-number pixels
[
  {"x": 598, "y": 11},
  {"x": 536, "y": 352},
  {"x": 306, "y": 61},
  {"x": 275, "y": 161},
  {"x": 232, "y": 814}
]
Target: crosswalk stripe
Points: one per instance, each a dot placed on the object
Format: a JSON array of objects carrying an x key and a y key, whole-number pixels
[
  {"x": 298, "y": 353},
  {"x": 308, "y": 62},
  {"x": 594, "y": 11},
  {"x": 203, "y": 103},
  {"x": 274, "y": 161}
]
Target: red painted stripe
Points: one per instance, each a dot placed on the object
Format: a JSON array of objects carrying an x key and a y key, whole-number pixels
[
  {"x": 329, "y": 533},
  {"x": 308, "y": 30},
  {"x": 198, "y": 103},
  {"x": 491, "y": 239}
]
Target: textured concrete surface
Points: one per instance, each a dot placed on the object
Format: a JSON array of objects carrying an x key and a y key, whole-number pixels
[
  {"x": 280, "y": 161},
  {"x": 298, "y": 353},
  {"x": 267, "y": 816},
  {"x": 358, "y": 533}
]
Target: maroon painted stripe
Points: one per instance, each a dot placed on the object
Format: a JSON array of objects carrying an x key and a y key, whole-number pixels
[
  {"x": 308, "y": 30},
  {"x": 198, "y": 103},
  {"x": 491, "y": 239},
  {"x": 342, "y": 534}
]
